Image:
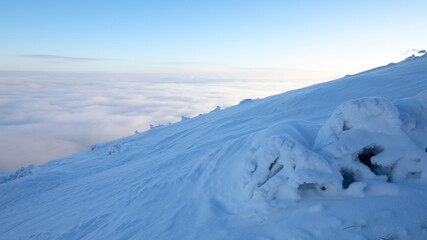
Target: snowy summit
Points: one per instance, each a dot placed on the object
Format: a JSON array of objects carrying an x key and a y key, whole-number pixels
[{"x": 345, "y": 159}]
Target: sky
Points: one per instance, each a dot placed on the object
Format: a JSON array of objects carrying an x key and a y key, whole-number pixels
[
  {"x": 76, "y": 73},
  {"x": 237, "y": 39}
]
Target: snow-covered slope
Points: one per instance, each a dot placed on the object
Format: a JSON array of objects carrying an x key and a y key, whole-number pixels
[{"x": 344, "y": 159}]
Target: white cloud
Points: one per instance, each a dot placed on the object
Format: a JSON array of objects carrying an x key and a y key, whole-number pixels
[
  {"x": 59, "y": 58},
  {"x": 45, "y": 116}
]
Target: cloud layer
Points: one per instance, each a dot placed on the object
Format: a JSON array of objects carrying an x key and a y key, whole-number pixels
[
  {"x": 45, "y": 116},
  {"x": 60, "y": 58}
]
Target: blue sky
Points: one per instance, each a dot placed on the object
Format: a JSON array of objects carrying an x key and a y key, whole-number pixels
[{"x": 227, "y": 39}]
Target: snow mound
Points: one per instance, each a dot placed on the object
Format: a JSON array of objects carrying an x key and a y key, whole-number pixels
[
  {"x": 364, "y": 140},
  {"x": 369, "y": 138},
  {"x": 283, "y": 168},
  {"x": 413, "y": 113}
]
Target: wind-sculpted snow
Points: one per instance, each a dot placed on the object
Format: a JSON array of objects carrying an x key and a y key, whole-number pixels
[
  {"x": 373, "y": 126},
  {"x": 344, "y": 159},
  {"x": 364, "y": 139},
  {"x": 284, "y": 166}
]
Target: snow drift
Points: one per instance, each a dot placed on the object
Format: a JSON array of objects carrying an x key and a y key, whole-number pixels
[{"x": 344, "y": 159}]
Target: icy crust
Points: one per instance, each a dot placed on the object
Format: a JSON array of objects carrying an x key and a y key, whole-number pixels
[{"x": 368, "y": 141}]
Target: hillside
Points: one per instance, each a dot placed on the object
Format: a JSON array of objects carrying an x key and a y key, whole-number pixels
[{"x": 345, "y": 159}]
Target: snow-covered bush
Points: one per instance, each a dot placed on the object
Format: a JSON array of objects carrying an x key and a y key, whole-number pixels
[
  {"x": 369, "y": 139},
  {"x": 218, "y": 108},
  {"x": 283, "y": 168},
  {"x": 364, "y": 140},
  {"x": 21, "y": 172},
  {"x": 246, "y": 100}
]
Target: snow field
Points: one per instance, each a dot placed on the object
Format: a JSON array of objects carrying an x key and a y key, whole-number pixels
[{"x": 344, "y": 159}]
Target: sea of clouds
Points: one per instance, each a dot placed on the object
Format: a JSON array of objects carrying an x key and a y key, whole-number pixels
[{"x": 46, "y": 116}]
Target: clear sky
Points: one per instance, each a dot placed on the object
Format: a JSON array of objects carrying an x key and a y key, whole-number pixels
[{"x": 224, "y": 39}]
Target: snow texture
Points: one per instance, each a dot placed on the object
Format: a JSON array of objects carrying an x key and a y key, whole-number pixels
[{"x": 344, "y": 159}]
